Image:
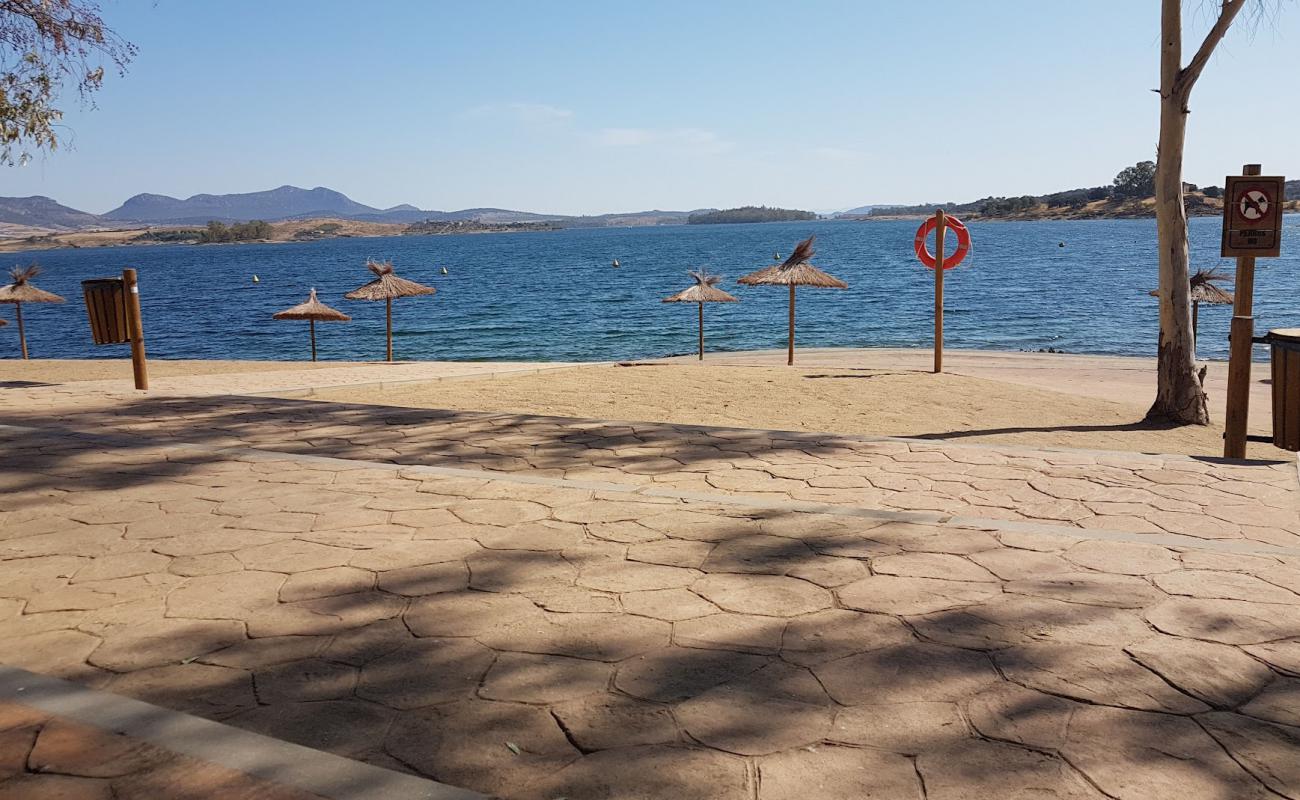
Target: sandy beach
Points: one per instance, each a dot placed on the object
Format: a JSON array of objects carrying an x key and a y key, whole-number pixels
[
  {"x": 68, "y": 370},
  {"x": 1006, "y": 398},
  {"x": 1050, "y": 400}
]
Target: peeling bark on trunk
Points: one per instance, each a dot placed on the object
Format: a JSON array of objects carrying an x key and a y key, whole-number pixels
[{"x": 1180, "y": 395}]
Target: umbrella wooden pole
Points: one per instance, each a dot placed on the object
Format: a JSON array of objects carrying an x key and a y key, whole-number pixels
[
  {"x": 1196, "y": 312},
  {"x": 22, "y": 334},
  {"x": 789, "y": 357},
  {"x": 312, "y": 324},
  {"x": 701, "y": 331},
  {"x": 938, "y": 291},
  {"x": 388, "y": 316}
]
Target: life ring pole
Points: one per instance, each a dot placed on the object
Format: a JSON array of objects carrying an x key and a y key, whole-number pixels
[{"x": 940, "y": 223}]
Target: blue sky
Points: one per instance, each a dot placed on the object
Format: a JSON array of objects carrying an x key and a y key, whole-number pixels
[{"x": 589, "y": 107}]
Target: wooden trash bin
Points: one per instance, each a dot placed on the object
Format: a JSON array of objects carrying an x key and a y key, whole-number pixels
[
  {"x": 1284, "y": 354},
  {"x": 106, "y": 306}
]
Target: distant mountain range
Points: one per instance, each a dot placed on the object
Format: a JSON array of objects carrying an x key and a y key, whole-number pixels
[
  {"x": 42, "y": 212},
  {"x": 286, "y": 203}
]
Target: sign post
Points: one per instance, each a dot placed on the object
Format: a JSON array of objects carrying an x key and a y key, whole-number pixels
[{"x": 1252, "y": 228}]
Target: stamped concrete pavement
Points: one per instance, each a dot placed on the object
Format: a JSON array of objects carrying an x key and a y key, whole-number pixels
[{"x": 539, "y": 608}]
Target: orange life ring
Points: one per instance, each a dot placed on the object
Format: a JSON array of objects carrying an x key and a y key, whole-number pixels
[{"x": 950, "y": 261}]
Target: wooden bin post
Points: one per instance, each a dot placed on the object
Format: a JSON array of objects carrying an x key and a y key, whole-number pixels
[
  {"x": 1241, "y": 333},
  {"x": 941, "y": 219},
  {"x": 136, "y": 327}
]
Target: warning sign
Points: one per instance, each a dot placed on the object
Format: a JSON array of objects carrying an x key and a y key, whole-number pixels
[{"x": 1252, "y": 216}]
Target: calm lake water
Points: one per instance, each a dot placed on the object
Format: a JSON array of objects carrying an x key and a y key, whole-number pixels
[{"x": 554, "y": 296}]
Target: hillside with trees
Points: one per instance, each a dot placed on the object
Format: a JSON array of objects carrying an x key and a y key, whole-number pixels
[
  {"x": 748, "y": 214},
  {"x": 1130, "y": 195},
  {"x": 220, "y": 232}
]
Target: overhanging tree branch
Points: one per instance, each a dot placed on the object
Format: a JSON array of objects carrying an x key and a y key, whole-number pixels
[
  {"x": 1188, "y": 75},
  {"x": 45, "y": 44}
]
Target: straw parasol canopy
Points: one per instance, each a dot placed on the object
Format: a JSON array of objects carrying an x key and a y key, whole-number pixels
[
  {"x": 704, "y": 291},
  {"x": 387, "y": 286},
  {"x": 794, "y": 271},
  {"x": 313, "y": 311},
  {"x": 1204, "y": 291},
  {"x": 22, "y": 291}
]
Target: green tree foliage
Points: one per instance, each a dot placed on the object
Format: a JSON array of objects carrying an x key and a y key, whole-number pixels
[
  {"x": 1213, "y": 191},
  {"x": 749, "y": 214},
  {"x": 1138, "y": 180},
  {"x": 997, "y": 206},
  {"x": 45, "y": 46},
  {"x": 215, "y": 233},
  {"x": 254, "y": 229},
  {"x": 218, "y": 232},
  {"x": 1074, "y": 198},
  {"x": 184, "y": 235}
]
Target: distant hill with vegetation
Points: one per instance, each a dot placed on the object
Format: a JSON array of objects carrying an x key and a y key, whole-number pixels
[
  {"x": 445, "y": 227},
  {"x": 218, "y": 232},
  {"x": 1130, "y": 195},
  {"x": 748, "y": 214}
]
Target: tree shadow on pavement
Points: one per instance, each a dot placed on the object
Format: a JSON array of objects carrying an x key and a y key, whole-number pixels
[{"x": 645, "y": 647}]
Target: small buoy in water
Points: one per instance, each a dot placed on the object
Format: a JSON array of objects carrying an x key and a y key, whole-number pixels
[
  {"x": 615, "y": 264},
  {"x": 256, "y": 279},
  {"x": 444, "y": 270}
]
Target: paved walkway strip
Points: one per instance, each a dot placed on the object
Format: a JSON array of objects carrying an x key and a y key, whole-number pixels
[
  {"x": 1204, "y": 498},
  {"x": 1172, "y": 540},
  {"x": 246, "y": 764}
]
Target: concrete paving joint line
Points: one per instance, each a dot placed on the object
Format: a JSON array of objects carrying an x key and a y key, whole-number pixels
[{"x": 258, "y": 756}]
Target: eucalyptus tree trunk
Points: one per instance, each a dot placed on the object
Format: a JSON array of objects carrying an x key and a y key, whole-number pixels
[{"x": 1180, "y": 395}]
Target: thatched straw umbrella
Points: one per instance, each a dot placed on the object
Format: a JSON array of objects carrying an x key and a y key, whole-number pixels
[
  {"x": 312, "y": 310},
  {"x": 795, "y": 271},
  {"x": 387, "y": 286},
  {"x": 704, "y": 291},
  {"x": 1204, "y": 291},
  {"x": 22, "y": 291}
]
